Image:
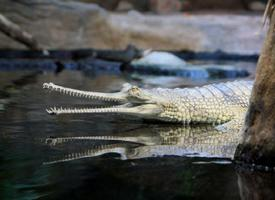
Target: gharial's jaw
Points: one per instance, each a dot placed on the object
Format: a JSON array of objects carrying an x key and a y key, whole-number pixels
[
  {"x": 144, "y": 111},
  {"x": 120, "y": 97},
  {"x": 131, "y": 100}
]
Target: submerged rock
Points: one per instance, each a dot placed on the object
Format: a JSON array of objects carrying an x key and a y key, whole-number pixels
[
  {"x": 154, "y": 63},
  {"x": 164, "y": 63},
  {"x": 160, "y": 60},
  {"x": 166, "y": 81},
  {"x": 224, "y": 71}
]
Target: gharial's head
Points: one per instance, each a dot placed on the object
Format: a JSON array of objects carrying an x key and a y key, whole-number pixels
[{"x": 130, "y": 100}]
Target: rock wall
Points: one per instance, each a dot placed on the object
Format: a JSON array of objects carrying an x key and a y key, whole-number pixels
[
  {"x": 258, "y": 146},
  {"x": 168, "y": 6},
  {"x": 207, "y": 32},
  {"x": 58, "y": 24}
]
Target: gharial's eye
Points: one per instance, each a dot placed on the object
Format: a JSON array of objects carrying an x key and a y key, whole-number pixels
[{"x": 135, "y": 91}]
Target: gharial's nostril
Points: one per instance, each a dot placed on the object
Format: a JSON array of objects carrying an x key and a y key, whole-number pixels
[{"x": 134, "y": 90}]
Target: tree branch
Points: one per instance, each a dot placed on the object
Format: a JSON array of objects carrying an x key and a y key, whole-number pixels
[{"x": 15, "y": 32}]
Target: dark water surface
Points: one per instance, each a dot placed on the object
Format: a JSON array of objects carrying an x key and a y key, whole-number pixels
[{"x": 34, "y": 167}]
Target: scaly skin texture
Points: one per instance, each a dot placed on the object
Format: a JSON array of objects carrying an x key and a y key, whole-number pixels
[
  {"x": 176, "y": 140},
  {"x": 195, "y": 141},
  {"x": 214, "y": 103}
]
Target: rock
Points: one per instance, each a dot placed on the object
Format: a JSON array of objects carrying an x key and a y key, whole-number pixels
[
  {"x": 121, "y": 5},
  {"x": 168, "y": 6},
  {"x": 163, "y": 63},
  {"x": 165, "y": 6},
  {"x": 106, "y": 4},
  {"x": 90, "y": 64},
  {"x": 224, "y": 71},
  {"x": 160, "y": 81},
  {"x": 258, "y": 144},
  {"x": 206, "y": 32},
  {"x": 257, "y": 6},
  {"x": 124, "y": 6},
  {"x": 58, "y": 24},
  {"x": 214, "y": 5},
  {"x": 160, "y": 60},
  {"x": 253, "y": 185}
]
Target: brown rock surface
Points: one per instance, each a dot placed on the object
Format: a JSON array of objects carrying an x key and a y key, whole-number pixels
[
  {"x": 60, "y": 24},
  {"x": 57, "y": 24},
  {"x": 165, "y": 6},
  {"x": 258, "y": 144},
  {"x": 206, "y": 32},
  {"x": 256, "y": 186},
  {"x": 216, "y": 4}
]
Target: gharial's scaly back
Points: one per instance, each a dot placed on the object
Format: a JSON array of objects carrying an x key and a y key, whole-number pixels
[
  {"x": 237, "y": 92},
  {"x": 213, "y": 103}
]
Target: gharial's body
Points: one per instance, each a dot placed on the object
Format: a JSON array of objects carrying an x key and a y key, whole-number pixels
[{"x": 213, "y": 103}]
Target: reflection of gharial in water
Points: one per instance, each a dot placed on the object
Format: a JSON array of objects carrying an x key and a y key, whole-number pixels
[
  {"x": 199, "y": 141},
  {"x": 213, "y": 104}
]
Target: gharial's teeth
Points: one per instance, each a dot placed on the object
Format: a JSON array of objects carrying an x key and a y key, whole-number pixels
[
  {"x": 50, "y": 111},
  {"x": 79, "y": 93},
  {"x": 53, "y": 111},
  {"x": 45, "y": 85}
]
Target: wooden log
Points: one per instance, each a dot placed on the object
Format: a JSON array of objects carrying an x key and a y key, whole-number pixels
[
  {"x": 258, "y": 145},
  {"x": 15, "y": 32}
]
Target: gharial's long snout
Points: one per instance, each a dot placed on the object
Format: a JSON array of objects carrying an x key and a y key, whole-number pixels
[{"x": 129, "y": 100}]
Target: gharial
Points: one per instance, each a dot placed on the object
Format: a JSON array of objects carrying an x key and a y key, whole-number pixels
[{"x": 211, "y": 104}]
